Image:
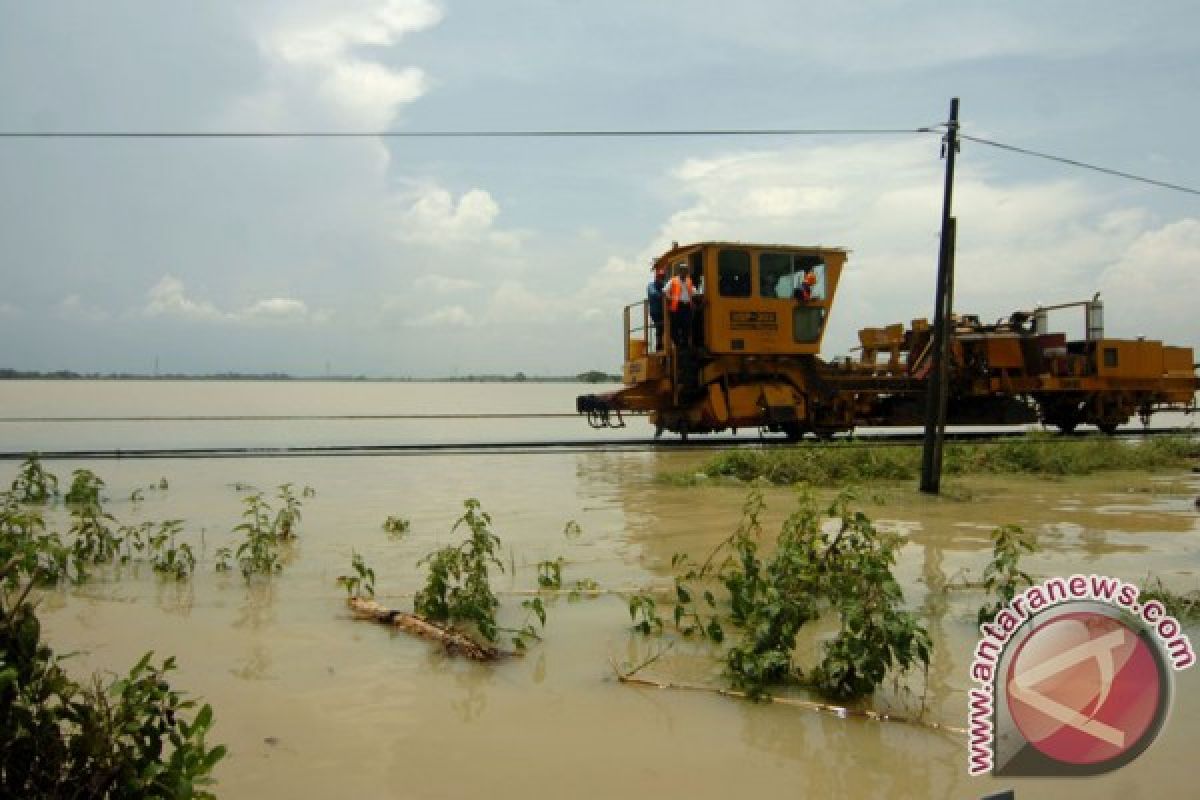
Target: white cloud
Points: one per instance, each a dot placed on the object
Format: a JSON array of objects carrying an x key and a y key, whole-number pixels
[
  {"x": 1152, "y": 289},
  {"x": 897, "y": 36},
  {"x": 514, "y": 302},
  {"x": 444, "y": 284},
  {"x": 277, "y": 308},
  {"x": 169, "y": 298},
  {"x": 318, "y": 69},
  {"x": 73, "y": 307},
  {"x": 9, "y": 310},
  {"x": 447, "y": 316},
  {"x": 335, "y": 28},
  {"x": 434, "y": 217}
]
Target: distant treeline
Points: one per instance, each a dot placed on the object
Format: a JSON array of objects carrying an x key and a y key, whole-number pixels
[{"x": 592, "y": 376}]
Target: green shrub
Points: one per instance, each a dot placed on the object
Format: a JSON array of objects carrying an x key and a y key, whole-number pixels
[
  {"x": 814, "y": 569},
  {"x": 33, "y": 483},
  {"x": 842, "y": 463},
  {"x": 124, "y": 738}
]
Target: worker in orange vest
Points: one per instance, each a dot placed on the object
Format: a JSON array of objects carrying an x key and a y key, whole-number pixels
[{"x": 681, "y": 296}]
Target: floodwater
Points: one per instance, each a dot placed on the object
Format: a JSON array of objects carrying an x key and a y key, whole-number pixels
[{"x": 314, "y": 704}]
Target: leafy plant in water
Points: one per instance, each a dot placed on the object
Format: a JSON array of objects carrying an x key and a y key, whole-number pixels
[
  {"x": 396, "y": 525},
  {"x": 875, "y": 636},
  {"x": 256, "y": 554},
  {"x": 457, "y": 588},
  {"x": 127, "y": 738},
  {"x": 572, "y": 530},
  {"x": 178, "y": 561},
  {"x": 1004, "y": 577},
  {"x": 581, "y": 587},
  {"x": 94, "y": 539},
  {"x": 223, "y": 556},
  {"x": 362, "y": 581},
  {"x": 1183, "y": 606},
  {"x": 536, "y": 610},
  {"x": 33, "y": 483},
  {"x": 644, "y": 613},
  {"x": 85, "y": 488},
  {"x": 847, "y": 571},
  {"x": 288, "y": 516},
  {"x": 134, "y": 538},
  {"x": 550, "y": 573},
  {"x": 34, "y": 553}
]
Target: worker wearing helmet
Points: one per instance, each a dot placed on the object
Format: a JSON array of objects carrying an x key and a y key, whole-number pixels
[{"x": 681, "y": 294}]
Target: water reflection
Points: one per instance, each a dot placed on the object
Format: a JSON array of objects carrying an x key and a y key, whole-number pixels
[
  {"x": 255, "y": 666},
  {"x": 257, "y": 610},
  {"x": 176, "y": 596}
]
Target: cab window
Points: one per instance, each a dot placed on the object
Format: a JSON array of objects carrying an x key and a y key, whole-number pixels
[
  {"x": 791, "y": 276},
  {"x": 776, "y": 275},
  {"x": 733, "y": 273},
  {"x": 807, "y": 322}
]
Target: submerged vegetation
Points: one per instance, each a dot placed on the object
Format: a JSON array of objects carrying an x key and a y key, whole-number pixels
[
  {"x": 844, "y": 570},
  {"x": 1183, "y": 606},
  {"x": 120, "y": 737},
  {"x": 840, "y": 463},
  {"x": 1003, "y": 577},
  {"x": 33, "y": 484},
  {"x": 458, "y": 587},
  {"x": 396, "y": 526}
]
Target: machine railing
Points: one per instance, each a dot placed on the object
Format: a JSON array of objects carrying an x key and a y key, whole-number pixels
[{"x": 637, "y": 313}]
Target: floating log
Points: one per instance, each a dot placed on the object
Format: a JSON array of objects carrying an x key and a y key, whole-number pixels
[
  {"x": 456, "y": 642},
  {"x": 827, "y": 708}
]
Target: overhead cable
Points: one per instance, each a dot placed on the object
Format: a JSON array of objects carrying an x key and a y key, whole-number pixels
[
  {"x": 457, "y": 134},
  {"x": 1106, "y": 170}
]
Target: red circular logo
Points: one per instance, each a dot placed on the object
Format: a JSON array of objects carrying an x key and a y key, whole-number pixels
[{"x": 1083, "y": 689}]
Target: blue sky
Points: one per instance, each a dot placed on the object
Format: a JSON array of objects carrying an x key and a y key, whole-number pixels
[{"x": 431, "y": 257}]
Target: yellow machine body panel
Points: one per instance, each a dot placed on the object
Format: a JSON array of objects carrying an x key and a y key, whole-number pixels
[{"x": 1125, "y": 358}]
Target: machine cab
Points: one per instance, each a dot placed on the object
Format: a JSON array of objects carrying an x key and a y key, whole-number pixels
[{"x": 753, "y": 299}]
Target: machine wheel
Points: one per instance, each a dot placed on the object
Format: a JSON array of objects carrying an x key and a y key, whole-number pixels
[
  {"x": 1107, "y": 428},
  {"x": 1065, "y": 426},
  {"x": 793, "y": 432}
]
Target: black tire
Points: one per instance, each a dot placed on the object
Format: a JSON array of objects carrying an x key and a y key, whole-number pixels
[
  {"x": 1065, "y": 426},
  {"x": 1107, "y": 428}
]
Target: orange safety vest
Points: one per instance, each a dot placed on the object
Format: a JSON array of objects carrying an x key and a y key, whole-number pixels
[{"x": 675, "y": 291}]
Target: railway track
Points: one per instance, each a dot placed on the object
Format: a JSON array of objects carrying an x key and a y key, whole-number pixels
[{"x": 871, "y": 439}]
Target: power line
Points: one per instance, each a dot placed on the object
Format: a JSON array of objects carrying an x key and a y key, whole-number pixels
[
  {"x": 459, "y": 134},
  {"x": 598, "y": 133},
  {"x": 1107, "y": 171}
]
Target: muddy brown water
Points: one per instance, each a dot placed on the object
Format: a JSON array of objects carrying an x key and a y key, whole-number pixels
[{"x": 314, "y": 704}]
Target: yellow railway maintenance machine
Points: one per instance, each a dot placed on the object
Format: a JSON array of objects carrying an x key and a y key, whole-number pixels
[{"x": 749, "y": 359}]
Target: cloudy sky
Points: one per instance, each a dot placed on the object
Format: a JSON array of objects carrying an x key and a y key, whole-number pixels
[{"x": 428, "y": 257}]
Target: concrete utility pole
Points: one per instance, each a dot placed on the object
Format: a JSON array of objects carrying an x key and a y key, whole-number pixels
[{"x": 943, "y": 304}]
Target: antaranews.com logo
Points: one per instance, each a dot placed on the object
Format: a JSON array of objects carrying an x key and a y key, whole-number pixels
[{"x": 1074, "y": 678}]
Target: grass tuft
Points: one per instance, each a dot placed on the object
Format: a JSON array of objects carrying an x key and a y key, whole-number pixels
[{"x": 855, "y": 462}]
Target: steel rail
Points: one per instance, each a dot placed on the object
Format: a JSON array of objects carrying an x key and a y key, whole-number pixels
[{"x": 559, "y": 447}]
